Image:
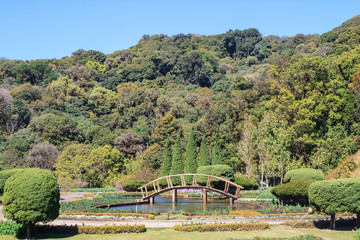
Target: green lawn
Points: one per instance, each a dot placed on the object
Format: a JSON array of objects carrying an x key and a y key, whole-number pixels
[{"x": 167, "y": 233}]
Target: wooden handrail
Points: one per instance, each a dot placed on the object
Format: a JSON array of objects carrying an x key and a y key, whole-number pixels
[{"x": 156, "y": 186}]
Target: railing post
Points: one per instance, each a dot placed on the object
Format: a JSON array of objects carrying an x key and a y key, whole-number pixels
[
  {"x": 158, "y": 185},
  {"x": 194, "y": 179},
  {"x": 183, "y": 183},
  {"x": 142, "y": 192},
  {"x": 146, "y": 192},
  {"x": 174, "y": 196},
  {"x": 208, "y": 182},
  {"x": 154, "y": 187},
  {"x": 204, "y": 196}
]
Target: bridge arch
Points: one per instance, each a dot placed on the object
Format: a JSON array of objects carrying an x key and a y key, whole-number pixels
[{"x": 147, "y": 195}]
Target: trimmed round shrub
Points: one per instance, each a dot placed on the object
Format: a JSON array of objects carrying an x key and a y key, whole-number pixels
[
  {"x": 335, "y": 196},
  {"x": 223, "y": 171},
  {"x": 245, "y": 182},
  {"x": 31, "y": 196},
  {"x": 304, "y": 174},
  {"x": 4, "y": 175},
  {"x": 294, "y": 192},
  {"x": 132, "y": 186}
]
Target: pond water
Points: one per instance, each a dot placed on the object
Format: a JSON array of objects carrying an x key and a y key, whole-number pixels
[{"x": 164, "y": 204}]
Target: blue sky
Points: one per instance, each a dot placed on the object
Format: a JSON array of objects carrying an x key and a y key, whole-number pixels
[{"x": 55, "y": 28}]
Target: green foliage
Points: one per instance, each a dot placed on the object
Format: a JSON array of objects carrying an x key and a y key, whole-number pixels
[
  {"x": 93, "y": 190},
  {"x": 335, "y": 196},
  {"x": 190, "y": 161},
  {"x": 92, "y": 229},
  {"x": 216, "y": 157},
  {"x": 204, "y": 156},
  {"x": 56, "y": 129},
  {"x": 294, "y": 192},
  {"x": 176, "y": 163},
  {"x": 11, "y": 228},
  {"x": 31, "y": 196},
  {"x": 304, "y": 174},
  {"x": 248, "y": 184},
  {"x": 167, "y": 157},
  {"x": 223, "y": 171},
  {"x": 4, "y": 175},
  {"x": 223, "y": 227},
  {"x": 132, "y": 186}
]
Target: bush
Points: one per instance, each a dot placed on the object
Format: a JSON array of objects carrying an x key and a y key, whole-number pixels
[
  {"x": 301, "y": 224},
  {"x": 223, "y": 171},
  {"x": 91, "y": 229},
  {"x": 4, "y": 175},
  {"x": 335, "y": 196},
  {"x": 304, "y": 174},
  {"x": 294, "y": 192},
  {"x": 11, "y": 228},
  {"x": 223, "y": 227},
  {"x": 245, "y": 182},
  {"x": 93, "y": 190},
  {"x": 31, "y": 196}
]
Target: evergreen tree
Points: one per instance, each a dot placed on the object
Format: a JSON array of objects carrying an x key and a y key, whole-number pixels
[
  {"x": 176, "y": 164},
  {"x": 190, "y": 161},
  {"x": 204, "y": 157},
  {"x": 166, "y": 166},
  {"x": 216, "y": 151}
]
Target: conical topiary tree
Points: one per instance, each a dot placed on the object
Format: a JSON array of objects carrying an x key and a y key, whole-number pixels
[
  {"x": 190, "y": 161},
  {"x": 216, "y": 151},
  {"x": 166, "y": 165},
  {"x": 204, "y": 156},
  {"x": 176, "y": 163}
]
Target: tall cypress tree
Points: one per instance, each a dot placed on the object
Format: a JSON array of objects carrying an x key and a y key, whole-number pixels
[
  {"x": 204, "y": 156},
  {"x": 176, "y": 164},
  {"x": 190, "y": 161},
  {"x": 216, "y": 151},
  {"x": 166, "y": 166}
]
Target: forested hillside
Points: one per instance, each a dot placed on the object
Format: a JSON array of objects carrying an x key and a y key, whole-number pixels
[{"x": 260, "y": 104}]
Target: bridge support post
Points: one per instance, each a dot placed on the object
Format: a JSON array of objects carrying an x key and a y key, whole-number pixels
[
  {"x": 152, "y": 200},
  {"x": 204, "y": 196},
  {"x": 174, "y": 196},
  {"x": 231, "y": 201}
]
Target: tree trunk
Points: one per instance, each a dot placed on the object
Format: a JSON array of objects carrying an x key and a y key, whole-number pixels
[
  {"x": 358, "y": 220},
  {"x": 332, "y": 221},
  {"x": 30, "y": 231}
]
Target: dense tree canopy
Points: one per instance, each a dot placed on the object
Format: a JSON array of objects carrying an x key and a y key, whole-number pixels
[{"x": 277, "y": 103}]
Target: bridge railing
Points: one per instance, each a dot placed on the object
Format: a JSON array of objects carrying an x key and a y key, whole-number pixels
[{"x": 156, "y": 185}]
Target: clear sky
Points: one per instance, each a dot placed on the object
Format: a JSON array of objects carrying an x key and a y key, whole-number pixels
[{"x": 38, "y": 29}]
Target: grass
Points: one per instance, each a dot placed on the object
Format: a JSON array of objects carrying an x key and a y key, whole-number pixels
[{"x": 168, "y": 233}]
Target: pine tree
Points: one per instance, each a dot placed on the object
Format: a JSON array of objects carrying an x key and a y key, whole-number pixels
[
  {"x": 190, "y": 161},
  {"x": 166, "y": 166},
  {"x": 204, "y": 156},
  {"x": 216, "y": 151}
]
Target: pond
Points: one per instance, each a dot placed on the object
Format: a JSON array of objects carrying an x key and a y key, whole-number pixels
[{"x": 164, "y": 204}]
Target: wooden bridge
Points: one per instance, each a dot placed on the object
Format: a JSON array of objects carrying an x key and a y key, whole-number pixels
[{"x": 149, "y": 195}]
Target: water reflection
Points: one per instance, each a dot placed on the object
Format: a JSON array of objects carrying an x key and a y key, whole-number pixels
[{"x": 164, "y": 204}]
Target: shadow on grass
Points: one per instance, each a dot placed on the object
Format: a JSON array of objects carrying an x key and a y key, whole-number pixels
[{"x": 341, "y": 224}]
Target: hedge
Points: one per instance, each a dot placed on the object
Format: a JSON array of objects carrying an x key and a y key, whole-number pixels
[
  {"x": 223, "y": 227},
  {"x": 245, "y": 182},
  {"x": 132, "y": 186},
  {"x": 294, "y": 192},
  {"x": 223, "y": 171},
  {"x": 301, "y": 224},
  {"x": 91, "y": 229},
  {"x": 4, "y": 175},
  {"x": 304, "y": 174},
  {"x": 96, "y": 190},
  {"x": 148, "y": 216}
]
